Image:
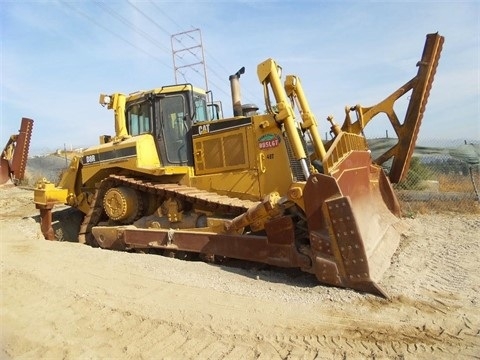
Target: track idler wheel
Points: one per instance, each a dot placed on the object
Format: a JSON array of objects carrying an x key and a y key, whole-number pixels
[{"x": 122, "y": 204}]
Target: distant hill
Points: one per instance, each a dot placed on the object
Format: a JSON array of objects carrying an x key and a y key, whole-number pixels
[
  {"x": 48, "y": 166},
  {"x": 467, "y": 152}
]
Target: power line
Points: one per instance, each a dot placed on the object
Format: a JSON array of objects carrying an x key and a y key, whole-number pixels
[
  {"x": 89, "y": 18},
  {"x": 131, "y": 25},
  {"x": 166, "y": 15},
  {"x": 149, "y": 18}
]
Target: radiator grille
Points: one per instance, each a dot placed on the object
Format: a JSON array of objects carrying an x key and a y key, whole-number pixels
[
  {"x": 219, "y": 152},
  {"x": 233, "y": 145},
  {"x": 213, "y": 153}
]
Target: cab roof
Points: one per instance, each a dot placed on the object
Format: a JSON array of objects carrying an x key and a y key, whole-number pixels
[{"x": 165, "y": 90}]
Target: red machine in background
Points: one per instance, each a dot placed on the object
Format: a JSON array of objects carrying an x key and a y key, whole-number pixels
[{"x": 15, "y": 154}]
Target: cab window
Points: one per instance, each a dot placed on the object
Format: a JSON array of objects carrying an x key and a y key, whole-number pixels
[
  {"x": 200, "y": 103},
  {"x": 139, "y": 119}
]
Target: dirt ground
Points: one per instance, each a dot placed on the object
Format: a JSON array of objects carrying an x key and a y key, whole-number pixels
[{"x": 63, "y": 300}]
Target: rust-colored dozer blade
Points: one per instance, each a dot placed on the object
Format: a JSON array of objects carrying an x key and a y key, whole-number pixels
[
  {"x": 353, "y": 223},
  {"x": 15, "y": 154}
]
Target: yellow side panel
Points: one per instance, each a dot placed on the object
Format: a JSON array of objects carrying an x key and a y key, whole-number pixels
[
  {"x": 147, "y": 157},
  {"x": 247, "y": 162}
]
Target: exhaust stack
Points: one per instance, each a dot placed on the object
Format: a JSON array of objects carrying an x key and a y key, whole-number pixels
[{"x": 236, "y": 95}]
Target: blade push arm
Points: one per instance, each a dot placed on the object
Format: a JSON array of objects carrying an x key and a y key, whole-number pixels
[
  {"x": 294, "y": 90},
  {"x": 268, "y": 74}
]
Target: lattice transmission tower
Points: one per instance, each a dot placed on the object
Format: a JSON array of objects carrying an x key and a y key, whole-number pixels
[{"x": 188, "y": 54}]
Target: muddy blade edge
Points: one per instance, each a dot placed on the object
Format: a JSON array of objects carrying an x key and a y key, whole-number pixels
[{"x": 352, "y": 228}]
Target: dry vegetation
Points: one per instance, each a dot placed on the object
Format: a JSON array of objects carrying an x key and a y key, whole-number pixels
[{"x": 457, "y": 183}]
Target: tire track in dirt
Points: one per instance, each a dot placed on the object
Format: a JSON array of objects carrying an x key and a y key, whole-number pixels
[
  {"x": 448, "y": 269},
  {"x": 145, "y": 337},
  {"x": 124, "y": 326}
]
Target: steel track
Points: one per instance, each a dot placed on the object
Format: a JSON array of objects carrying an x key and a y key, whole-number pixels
[{"x": 202, "y": 199}]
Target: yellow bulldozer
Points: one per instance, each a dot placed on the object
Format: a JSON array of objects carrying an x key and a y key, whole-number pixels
[{"x": 262, "y": 187}]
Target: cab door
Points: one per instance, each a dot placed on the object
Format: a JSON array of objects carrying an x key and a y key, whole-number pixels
[{"x": 171, "y": 113}]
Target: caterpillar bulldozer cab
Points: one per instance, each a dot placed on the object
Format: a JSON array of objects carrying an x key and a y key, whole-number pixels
[{"x": 257, "y": 187}]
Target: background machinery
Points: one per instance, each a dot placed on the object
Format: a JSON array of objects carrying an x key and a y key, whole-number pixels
[
  {"x": 256, "y": 187},
  {"x": 13, "y": 161}
]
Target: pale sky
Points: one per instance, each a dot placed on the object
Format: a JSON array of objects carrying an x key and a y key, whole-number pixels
[{"x": 57, "y": 57}]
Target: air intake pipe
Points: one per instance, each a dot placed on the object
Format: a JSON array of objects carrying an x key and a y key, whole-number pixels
[{"x": 236, "y": 96}]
